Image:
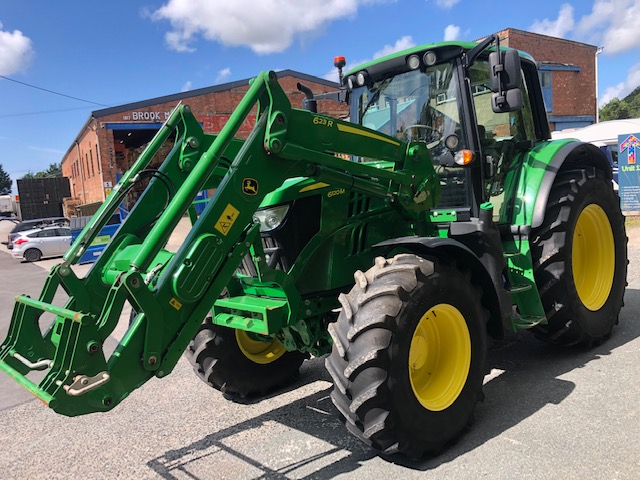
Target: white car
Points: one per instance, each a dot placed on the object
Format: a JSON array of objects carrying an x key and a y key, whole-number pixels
[{"x": 32, "y": 245}]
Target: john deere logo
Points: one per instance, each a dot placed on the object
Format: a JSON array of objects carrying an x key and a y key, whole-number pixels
[{"x": 250, "y": 186}]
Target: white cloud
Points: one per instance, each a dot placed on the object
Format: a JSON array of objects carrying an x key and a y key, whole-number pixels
[
  {"x": 186, "y": 87},
  {"x": 609, "y": 24},
  {"x": 451, "y": 32},
  {"x": 178, "y": 41},
  {"x": 606, "y": 25},
  {"x": 16, "y": 51},
  {"x": 223, "y": 75},
  {"x": 602, "y": 13},
  {"x": 623, "y": 88},
  {"x": 401, "y": 44},
  {"x": 623, "y": 35},
  {"x": 265, "y": 26},
  {"x": 446, "y": 4},
  {"x": 559, "y": 27}
]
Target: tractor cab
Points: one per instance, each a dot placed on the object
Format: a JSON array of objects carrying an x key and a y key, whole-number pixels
[{"x": 466, "y": 103}]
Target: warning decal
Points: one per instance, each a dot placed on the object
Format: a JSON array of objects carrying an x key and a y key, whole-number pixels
[
  {"x": 175, "y": 303},
  {"x": 227, "y": 219}
]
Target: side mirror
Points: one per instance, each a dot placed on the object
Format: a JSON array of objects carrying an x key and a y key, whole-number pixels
[
  {"x": 505, "y": 70},
  {"x": 511, "y": 101},
  {"x": 506, "y": 76}
]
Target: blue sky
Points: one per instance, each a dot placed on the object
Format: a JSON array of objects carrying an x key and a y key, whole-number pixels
[{"x": 117, "y": 52}]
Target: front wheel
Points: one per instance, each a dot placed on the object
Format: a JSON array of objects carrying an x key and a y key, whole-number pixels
[
  {"x": 409, "y": 354},
  {"x": 241, "y": 365},
  {"x": 580, "y": 259}
]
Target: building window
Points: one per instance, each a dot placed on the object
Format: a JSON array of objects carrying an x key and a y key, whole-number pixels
[
  {"x": 93, "y": 172},
  {"x": 545, "y": 83},
  {"x": 98, "y": 160}
]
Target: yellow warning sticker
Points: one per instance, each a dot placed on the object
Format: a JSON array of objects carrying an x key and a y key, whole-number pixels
[
  {"x": 175, "y": 303},
  {"x": 227, "y": 219}
]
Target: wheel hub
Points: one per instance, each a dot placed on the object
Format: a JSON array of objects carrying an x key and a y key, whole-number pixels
[
  {"x": 439, "y": 357},
  {"x": 593, "y": 257},
  {"x": 259, "y": 351}
]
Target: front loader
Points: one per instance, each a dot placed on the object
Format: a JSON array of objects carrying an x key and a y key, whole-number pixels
[{"x": 398, "y": 242}]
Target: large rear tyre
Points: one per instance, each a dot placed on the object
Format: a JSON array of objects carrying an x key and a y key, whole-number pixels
[
  {"x": 238, "y": 365},
  {"x": 409, "y": 355},
  {"x": 580, "y": 259}
]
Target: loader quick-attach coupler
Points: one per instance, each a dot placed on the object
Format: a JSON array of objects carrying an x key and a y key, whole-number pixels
[
  {"x": 69, "y": 350},
  {"x": 78, "y": 378}
]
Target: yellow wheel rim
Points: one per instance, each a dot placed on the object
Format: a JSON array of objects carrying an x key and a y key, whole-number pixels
[
  {"x": 593, "y": 257},
  {"x": 258, "y": 351},
  {"x": 439, "y": 357}
]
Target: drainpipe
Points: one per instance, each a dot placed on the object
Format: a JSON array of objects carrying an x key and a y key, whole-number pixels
[
  {"x": 84, "y": 193},
  {"x": 598, "y": 52},
  {"x": 99, "y": 160}
]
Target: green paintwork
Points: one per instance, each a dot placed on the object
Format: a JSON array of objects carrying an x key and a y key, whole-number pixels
[
  {"x": 524, "y": 291},
  {"x": 522, "y": 184}
]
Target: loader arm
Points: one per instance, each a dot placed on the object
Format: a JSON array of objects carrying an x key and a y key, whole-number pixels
[{"x": 172, "y": 293}]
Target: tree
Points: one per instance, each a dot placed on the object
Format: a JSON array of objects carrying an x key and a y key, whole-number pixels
[
  {"x": 628, "y": 107},
  {"x": 616, "y": 109},
  {"x": 5, "y": 182},
  {"x": 54, "y": 170}
]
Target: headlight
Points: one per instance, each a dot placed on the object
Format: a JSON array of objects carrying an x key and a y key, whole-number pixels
[
  {"x": 270, "y": 218},
  {"x": 413, "y": 62}
]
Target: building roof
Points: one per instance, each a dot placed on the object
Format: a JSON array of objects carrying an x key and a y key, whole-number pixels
[
  {"x": 525, "y": 32},
  {"x": 189, "y": 94},
  {"x": 204, "y": 91},
  {"x": 603, "y": 133}
]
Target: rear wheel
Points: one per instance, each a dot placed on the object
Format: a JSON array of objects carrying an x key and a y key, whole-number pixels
[
  {"x": 32, "y": 255},
  {"x": 580, "y": 259},
  {"x": 408, "y": 355},
  {"x": 240, "y": 364}
]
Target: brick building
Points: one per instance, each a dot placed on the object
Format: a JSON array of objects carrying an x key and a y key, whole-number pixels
[
  {"x": 567, "y": 76},
  {"x": 112, "y": 138}
]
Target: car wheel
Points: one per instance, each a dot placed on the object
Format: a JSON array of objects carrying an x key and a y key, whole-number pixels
[{"x": 32, "y": 255}]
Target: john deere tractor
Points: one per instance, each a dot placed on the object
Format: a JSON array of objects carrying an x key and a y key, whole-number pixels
[{"x": 395, "y": 243}]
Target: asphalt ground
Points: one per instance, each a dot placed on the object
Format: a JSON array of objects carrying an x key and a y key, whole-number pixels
[{"x": 549, "y": 413}]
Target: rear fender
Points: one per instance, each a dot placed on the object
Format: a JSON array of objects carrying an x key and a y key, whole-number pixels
[
  {"x": 538, "y": 172},
  {"x": 463, "y": 255}
]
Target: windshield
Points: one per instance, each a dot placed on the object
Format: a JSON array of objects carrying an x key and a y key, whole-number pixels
[
  {"x": 420, "y": 106},
  {"x": 398, "y": 104}
]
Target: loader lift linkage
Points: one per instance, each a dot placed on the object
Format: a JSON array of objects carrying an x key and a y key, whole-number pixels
[{"x": 80, "y": 380}]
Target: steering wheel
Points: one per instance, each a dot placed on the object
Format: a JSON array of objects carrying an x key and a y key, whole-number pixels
[{"x": 431, "y": 136}]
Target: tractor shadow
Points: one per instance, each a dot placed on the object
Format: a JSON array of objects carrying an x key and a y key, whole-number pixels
[{"x": 525, "y": 379}]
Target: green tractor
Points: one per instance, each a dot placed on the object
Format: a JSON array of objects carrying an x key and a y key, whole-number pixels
[{"x": 397, "y": 244}]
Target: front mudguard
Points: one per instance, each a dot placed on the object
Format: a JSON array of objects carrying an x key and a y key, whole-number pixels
[{"x": 487, "y": 271}]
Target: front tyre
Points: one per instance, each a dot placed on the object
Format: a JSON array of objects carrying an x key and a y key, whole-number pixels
[
  {"x": 238, "y": 364},
  {"x": 409, "y": 354},
  {"x": 580, "y": 259}
]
